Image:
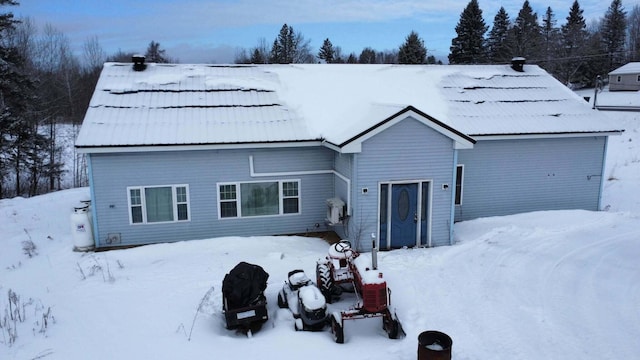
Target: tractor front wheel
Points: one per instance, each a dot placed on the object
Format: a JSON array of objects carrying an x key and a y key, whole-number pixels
[{"x": 393, "y": 329}]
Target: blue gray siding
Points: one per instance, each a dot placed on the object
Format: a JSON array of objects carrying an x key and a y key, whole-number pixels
[
  {"x": 343, "y": 166},
  {"x": 202, "y": 170},
  {"x": 408, "y": 150},
  {"x": 514, "y": 176}
]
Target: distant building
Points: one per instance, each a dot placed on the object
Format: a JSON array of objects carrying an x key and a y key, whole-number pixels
[
  {"x": 625, "y": 78},
  {"x": 179, "y": 152}
]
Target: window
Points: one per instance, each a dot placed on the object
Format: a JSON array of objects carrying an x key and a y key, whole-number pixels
[
  {"x": 638, "y": 79},
  {"x": 619, "y": 78},
  {"x": 459, "y": 183},
  {"x": 156, "y": 204},
  {"x": 258, "y": 198}
]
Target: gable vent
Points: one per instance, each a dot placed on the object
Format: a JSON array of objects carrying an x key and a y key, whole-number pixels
[
  {"x": 517, "y": 64},
  {"x": 138, "y": 63}
]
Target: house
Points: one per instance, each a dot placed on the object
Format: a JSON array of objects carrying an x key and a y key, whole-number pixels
[
  {"x": 625, "y": 78},
  {"x": 393, "y": 153}
]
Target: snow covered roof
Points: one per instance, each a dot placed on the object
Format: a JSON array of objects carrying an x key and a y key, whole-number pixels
[
  {"x": 629, "y": 68},
  {"x": 168, "y": 104}
]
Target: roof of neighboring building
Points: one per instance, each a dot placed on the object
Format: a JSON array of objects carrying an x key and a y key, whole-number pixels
[
  {"x": 183, "y": 104},
  {"x": 629, "y": 68}
]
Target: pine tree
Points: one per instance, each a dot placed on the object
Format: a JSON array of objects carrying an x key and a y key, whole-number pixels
[
  {"x": 257, "y": 57},
  {"x": 290, "y": 47},
  {"x": 526, "y": 35},
  {"x": 282, "y": 49},
  {"x": 367, "y": 56},
  {"x": 155, "y": 54},
  {"x": 633, "y": 33},
  {"x": 574, "y": 44},
  {"x": 613, "y": 30},
  {"x": 498, "y": 48},
  {"x": 413, "y": 50},
  {"x": 550, "y": 41},
  {"x": 468, "y": 46},
  {"x": 327, "y": 53},
  {"x": 17, "y": 93}
]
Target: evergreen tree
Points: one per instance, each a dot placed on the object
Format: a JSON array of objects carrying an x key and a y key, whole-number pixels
[
  {"x": 327, "y": 53},
  {"x": 352, "y": 59},
  {"x": 367, "y": 56},
  {"x": 613, "y": 30},
  {"x": 550, "y": 41},
  {"x": 574, "y": 44},
  {"x": 283, "y": 47},
  {"x": 593, "y": 62},
  {"x": 526, "y": 36},
  {"x": 468, "y": 46},
  {"x": 290, "y": 47},
  {"x": 633, "y": 33},
  {"x": 413, "y": 50},
  {"x": 16, "y": 96},
  {"x": 498, "y": 48},
  {"x": 257, "y": 57},
  {"x": 155, "y": 54}
]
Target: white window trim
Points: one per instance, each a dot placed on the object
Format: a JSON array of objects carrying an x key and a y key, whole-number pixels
[
  {"x": 143, "y": 203},
  {"x": 238, "y": 200}
]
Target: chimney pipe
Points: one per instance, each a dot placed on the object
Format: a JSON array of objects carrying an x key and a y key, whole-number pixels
[
  {"x": 517, "y": 63},
  {"x": 138, "y": 62}
]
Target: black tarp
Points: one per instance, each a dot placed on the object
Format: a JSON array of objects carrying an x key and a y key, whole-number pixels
[{"x": 244, "y": 285}]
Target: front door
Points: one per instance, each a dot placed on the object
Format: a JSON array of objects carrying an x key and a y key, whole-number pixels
[
  {"x": 404, "y": 210},
  {"x": 404, "y": 214}
]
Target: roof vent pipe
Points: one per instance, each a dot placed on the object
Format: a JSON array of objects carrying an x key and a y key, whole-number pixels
[
  {"x": 138, "y": 63},
  {"x": 517, "y": 64}
]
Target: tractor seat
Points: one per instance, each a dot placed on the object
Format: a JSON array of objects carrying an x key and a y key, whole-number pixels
[{"x": 297, "y": 279}]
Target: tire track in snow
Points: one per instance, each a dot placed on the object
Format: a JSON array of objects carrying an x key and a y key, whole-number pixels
[{"x": 575, "y": 302}]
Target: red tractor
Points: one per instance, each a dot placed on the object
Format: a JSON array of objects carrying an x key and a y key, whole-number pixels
[{"x": 345, "y": 270}]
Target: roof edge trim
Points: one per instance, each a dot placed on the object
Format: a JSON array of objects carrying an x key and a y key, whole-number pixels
[
  {"x": 190, "y": 147},
  {"x": 481, "y": 137}
]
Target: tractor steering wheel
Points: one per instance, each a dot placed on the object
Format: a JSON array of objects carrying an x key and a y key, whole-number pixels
[{"x": 343, "y": 246}]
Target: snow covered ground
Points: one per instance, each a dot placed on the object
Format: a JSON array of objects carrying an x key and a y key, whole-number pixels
[{"x": 543, "y": 285}]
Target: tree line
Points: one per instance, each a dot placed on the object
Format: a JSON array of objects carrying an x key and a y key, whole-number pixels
[
  {"x": 290, "y": 46},
  {"x": 575, "y": 52},
  {"x": 44, "y": 84}
]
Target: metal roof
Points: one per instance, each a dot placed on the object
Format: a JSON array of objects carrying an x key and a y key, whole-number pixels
[
  {"x": 184, "y": 104},
  {"x": 629, "y": 68}
]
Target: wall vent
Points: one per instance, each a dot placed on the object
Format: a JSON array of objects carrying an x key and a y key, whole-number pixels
[{"x": 112, "y": 238}]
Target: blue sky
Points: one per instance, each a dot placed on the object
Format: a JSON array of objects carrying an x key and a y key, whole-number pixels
[{"x": 203, "y": 31}]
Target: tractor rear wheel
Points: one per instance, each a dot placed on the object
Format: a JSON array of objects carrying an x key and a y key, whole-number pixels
[
  {"x": 337, "y": 330},
  {"x": 325, "y": 282}
]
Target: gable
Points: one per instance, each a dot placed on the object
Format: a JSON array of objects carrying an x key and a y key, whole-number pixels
[{"x": 460, "y": 140}]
